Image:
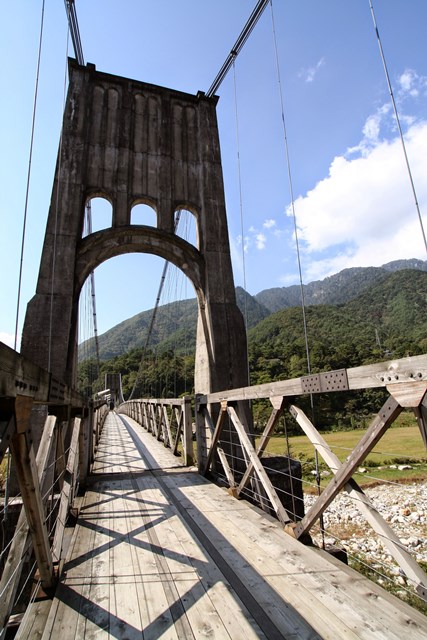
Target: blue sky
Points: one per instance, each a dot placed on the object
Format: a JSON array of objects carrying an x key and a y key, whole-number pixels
[{"x": 353, "y": 201}]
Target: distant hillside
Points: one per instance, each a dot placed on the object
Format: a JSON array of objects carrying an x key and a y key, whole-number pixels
[
  {"x": 388, "y": 319},
  {"x": 175, "y": 326},
  {"x": 335, "y": 289}
]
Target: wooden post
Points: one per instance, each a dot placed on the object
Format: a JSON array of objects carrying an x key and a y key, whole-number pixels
[
  {"x": 25, "y": 463},
  {"x": 84, "y": 449},
  {"x": 421, "y": 415},
  {"x": 187, "y": 432}
]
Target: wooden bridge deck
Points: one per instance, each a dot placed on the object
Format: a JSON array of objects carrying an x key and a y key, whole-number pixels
[{"x": 159, "y": 552}]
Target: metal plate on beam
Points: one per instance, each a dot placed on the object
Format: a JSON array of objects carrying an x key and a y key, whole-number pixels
[{"x": 322, "y": 382}]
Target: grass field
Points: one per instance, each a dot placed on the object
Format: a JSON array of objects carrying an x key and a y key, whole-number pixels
[{"x": 398, "y": 445}]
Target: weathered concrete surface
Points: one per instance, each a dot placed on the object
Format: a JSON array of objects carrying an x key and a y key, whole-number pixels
[{"x": 131, "y": 143}]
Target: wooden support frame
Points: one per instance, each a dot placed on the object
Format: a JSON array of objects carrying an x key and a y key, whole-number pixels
[
  {"x": 259, "y": 469},
  {"x": 68, "y": 489},
  {"x": 389, "y": 539},
  {"x": 13, "y": 568},
  {"x": 223, "y": 458},
  {"x": 278, "y": 408},
  {"x": 24, "y": 459},
  {"x": 388, "y": 413}
]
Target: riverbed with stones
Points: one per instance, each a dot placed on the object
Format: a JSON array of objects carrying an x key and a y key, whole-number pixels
[{"x": 403, "y": 506}]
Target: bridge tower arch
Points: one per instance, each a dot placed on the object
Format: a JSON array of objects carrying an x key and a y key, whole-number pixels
[{"x": 132, "y": 142}]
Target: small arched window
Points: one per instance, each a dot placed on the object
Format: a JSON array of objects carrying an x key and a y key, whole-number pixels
[
  {"x": 186, "y": 226},
  {"x": 143, "y": 214},
  {"x": 98, "y": 215}
]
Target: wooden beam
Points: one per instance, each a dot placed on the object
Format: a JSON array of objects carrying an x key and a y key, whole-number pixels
[
  {"x": 261, "y": 472},
  {"x": 269, "y": 428},
  {"x": 215, "y": 436},
  {"x": 187, "y": 424},
  {"x": 21, "y": 377},
  {"x": 221, "y": 455},
  {"x": 8, "y": 429},
  {"x": 67, "y": 492},
  {"x": 25, "y": 463},
  {"x": 388, "y": 413},
  {"x": 421, "y": 415},
  {"x": 13, "y": 567},
  {"x": 381, "y": 374},
  {"x": 389, "y": 539}
]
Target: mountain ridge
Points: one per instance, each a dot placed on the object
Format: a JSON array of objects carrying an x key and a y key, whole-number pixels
[{"x": 175, "y": 326}]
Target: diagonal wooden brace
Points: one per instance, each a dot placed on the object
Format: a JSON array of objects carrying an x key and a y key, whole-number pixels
[
  {"x": 260, "y": 471},
  {"x": 26, "y": 468},
  {"x": 389, "y": 412},
  {"x": 389, "y": 539}
]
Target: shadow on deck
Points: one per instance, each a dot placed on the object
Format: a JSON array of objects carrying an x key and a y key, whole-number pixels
[{"x": 160, "y": 552}]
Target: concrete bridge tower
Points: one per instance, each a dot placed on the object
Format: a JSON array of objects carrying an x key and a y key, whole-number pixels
[{"x": 132, "y": 142}]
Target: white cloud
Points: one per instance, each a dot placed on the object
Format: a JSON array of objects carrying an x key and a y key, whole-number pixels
[
  {"x": 309, "y": 73},
  {"x": 268, "y": 224},
  {"x": 363, "y": 212},
  {"x": 260, "y": 240}
]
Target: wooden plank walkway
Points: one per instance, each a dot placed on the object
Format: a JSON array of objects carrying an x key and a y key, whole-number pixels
[{"x": 160, "y": 552}]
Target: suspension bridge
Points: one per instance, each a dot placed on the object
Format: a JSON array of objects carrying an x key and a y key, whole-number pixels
[{"x": 163, "y": 518}]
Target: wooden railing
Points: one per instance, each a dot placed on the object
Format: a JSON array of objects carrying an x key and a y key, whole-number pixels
[
  {"x": 46, "y": 469},
  {"x": 404, "y": 379},
  {"x": 168, "y": 420}
]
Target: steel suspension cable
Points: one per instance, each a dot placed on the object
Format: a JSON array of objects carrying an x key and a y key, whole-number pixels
[
  {"x": 291, "y": 189},
  {"x": 74, "y": 30},
  {"x": 238, "y": 46},
  {"x": 27, "y": 190},
  {"x": 242, "y": 234},
  {"x": 92, "y": 290},
  {"x": 154, "y": 314},
  {"x": 297, "y": 244},
  {"x": 396, "y": 114}
]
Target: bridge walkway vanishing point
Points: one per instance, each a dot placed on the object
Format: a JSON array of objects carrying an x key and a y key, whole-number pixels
[{"x": 158, "y": 551}]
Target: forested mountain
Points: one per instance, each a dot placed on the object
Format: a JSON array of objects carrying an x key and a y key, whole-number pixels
[
  {"x": 175, "y": 325},
  {"x": 388, "y": 320},
  {"x": 335, "y": 289}
]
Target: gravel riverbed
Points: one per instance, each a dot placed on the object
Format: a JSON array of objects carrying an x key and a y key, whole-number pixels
[{"x": 403, "y": 506}]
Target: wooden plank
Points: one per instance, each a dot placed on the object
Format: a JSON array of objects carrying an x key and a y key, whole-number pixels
[
  {"x": 223, "y": 458},
  {"x": 365, "y": 377},
  {"x": 327, "y": 594},
  {"x": 26, "y": 468},
  {"x": 13, "y": 566},
  {"x": 215, "y": 437},
  {"x": 421, "y": 416},
  {"x": 8, "y": 428},
  {"x": 264, "y": 440},
  {"x": 389, "y": 412},
  {"x": 67, "y": 492},
  {"x": 188, "y": 432},
  {"x": 259, "y": 469}
]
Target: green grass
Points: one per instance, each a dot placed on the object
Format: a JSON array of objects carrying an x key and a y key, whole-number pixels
[{"x": 397, "y": 446}]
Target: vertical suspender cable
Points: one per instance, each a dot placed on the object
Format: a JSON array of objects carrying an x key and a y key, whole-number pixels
[
  {"x": 24, "y": 226},
  {"x": 390, "y": 89},
  {"x": 291, "y": 190},
  {"x": 242, "y": 232},
  {"x": 92, "y": 290}
]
